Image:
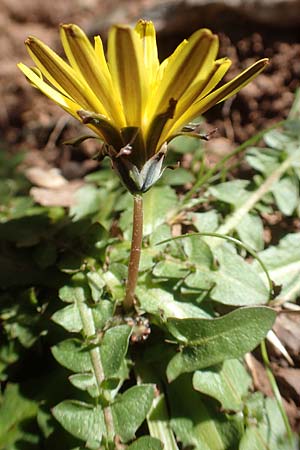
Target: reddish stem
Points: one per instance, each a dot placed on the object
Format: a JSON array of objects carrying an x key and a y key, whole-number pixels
[{"x": 135, "y": 253}]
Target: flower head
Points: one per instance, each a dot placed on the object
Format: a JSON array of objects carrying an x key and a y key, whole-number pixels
[{"x": 134, "y": 103}]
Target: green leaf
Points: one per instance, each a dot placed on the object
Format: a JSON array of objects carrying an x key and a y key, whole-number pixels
[
  {"x": 160, "y": 234},
  {"x": 9, "y": 354},
  {"x": 158, "y": 203},
  {"x": 82, "y": 420},
  {"x": 104, "y": 177},
  {"x": 158, "y": 423},
  {"x": 158, "y": 302},
  {"x": 15, "y": 411},
  {"x": 211, "y": 341},
  {"x": 185, "y": 144},
  {"x": 158, "y": 416},
  {"x": 199, "y": 279},
  {"x": 94, "y": 241},
  {"x": 277, "y": 139},
  {"x": 206, "y": 222},
  {"x": 72, "y": 355},
  {"x": 198, "y": 252},
  {"x": 20, "y": 318},
  {"x": 88, "y": 201},
  {"x": 119, "y": 252},
  {"x": 232, "y": 192},
  {"x": 286, "y": 194},
  {"x": 75, "y": 356},
  {"x": 130, "y": 410},
  {"x": 228, "y": 383},
  {"x": 269, "y": 433},
  {"x": 76, "y": 291},
  {"x": 45, "y": 421},
  {"x": 146, "y": 443},
  {"x": 250, "y": 230},
  {"x": 197, "y": 422},
  {"x": 102, "y": 312},
  {"x": 96, "y": 284},
  {"x": 170, "y": 269},
  {"x": 283, "y": 264},
  {"x": 146, "y": 261},
  {"x": 69, "y": 318},
  {"x": 264, "y": 160},
  {"x": 236, "y": 281},
  {"x": 113, "y": 349},
  {"x": 114, "y": 283},
  {"x": 85, "y": 382},
  {"x": 177, "y": 177}
]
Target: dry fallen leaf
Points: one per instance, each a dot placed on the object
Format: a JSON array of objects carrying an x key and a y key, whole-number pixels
[
  {"x": 287, "y": 328},
  {"x": 259, "y": 375},
  {"x": 62, "y": 196},
  {"x": 46, "y": 178},
  {"x": 289, "y": 380}
]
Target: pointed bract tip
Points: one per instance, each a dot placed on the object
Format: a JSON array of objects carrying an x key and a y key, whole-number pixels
[
  {"x": 121, "y": 27},
  {"x": 69, "y": 28},
  {"x": 208, "y": 34},
  {"x": 261, "y": 64},
  {"x": 221, "y": 61},
  {"x": 30, "y": 40},
  {"x": 144, "y": 22}
]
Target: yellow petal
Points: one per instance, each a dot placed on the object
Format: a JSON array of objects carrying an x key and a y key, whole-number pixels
[
  {"x": 156, "y": 131},
  {"x": 64, "y": 102},
  {"x": 221, "y": 94},
  {"x": 163, "y": 66},
  {"x": 235, "y": 85},
  {"x": 101, "y": 61},
  {"x": 203, "y": 85},
  {"x": 84, "y": 60},
  {"x": 194, "y": 57},
  {"x": 67, "y": 104},
  {"x": 220, "y": 68},
  {"x": 61, "y": 75},
  {"x": 197, "y": 91},
  {"x": 146, "y": 32},
  {"x": 100, "y": 57},
  {"x": 125, "y": 59},
  {"x": 37, "y": 72}
]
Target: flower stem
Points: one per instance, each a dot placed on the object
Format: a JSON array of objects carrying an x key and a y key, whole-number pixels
[{"x": 135, "y": 253}]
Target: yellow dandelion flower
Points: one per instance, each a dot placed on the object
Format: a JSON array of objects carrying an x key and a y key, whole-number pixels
[{"x": 134, "y": 103}]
